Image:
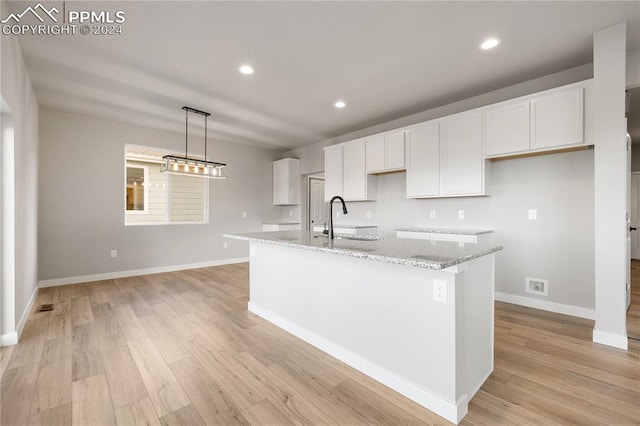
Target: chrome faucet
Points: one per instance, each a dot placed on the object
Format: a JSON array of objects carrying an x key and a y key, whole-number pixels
[{"x": 344, "y": 210}]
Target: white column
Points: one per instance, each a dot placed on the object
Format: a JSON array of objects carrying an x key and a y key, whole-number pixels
[{"x": 609, "y": 58}]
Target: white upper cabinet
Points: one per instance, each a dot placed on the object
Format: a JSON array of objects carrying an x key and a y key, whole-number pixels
[
  {"x": 423, "y": 160},
  {"x": 507, "y": 128},
  {"x": 557, "y": 119},
  {"x": 332, "y": 172},
  {"x": 386, "y": 152},
  {"x": 346, "y": 174},
  {"x": 286, "y": 182},
  {"x": 356, "y": 186},
  {"x": 546, "y": 121},
  {"x": 375, "y": 154},
  {"x": 462, "y": 159}
]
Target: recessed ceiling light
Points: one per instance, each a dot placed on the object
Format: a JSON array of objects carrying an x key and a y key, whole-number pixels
[
  {"x": 340, "y": 104},
  {"x": 490, "y": 43},
  {"x": 246, "y": 69}
]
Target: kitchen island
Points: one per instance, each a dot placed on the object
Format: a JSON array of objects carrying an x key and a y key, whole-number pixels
[{"x": 415, "y": 315}]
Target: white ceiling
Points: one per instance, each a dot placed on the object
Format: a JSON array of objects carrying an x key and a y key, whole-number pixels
[{"x": 385, "y": 59}]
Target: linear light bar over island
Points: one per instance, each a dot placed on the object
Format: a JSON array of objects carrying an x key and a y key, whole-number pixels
[{"x": 415, "y": 315}]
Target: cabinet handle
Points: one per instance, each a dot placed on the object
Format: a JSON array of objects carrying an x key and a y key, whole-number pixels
[{"x": 632, "y": 228}]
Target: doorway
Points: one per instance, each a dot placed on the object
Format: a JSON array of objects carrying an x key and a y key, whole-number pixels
[
  {"x": 317, "y": 208},
  {"x": 633, "y": 129}
]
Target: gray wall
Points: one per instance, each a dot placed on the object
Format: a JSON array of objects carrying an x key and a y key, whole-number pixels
[
  {"x": 559, "y": 246},
  {"x": 17, "y": 92},
  {"x": 81, "y": 211}
]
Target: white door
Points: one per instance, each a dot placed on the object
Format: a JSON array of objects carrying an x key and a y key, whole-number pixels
[
  {"x": 318, "y": 208},
  {"x": 635, "y": 215}
]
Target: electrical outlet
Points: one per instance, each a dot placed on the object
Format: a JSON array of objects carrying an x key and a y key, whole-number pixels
[
  {"x": 225, "y": 244},
  {"x": 533, "y": 214},
  {"x": 537, "y": 286},
  {"x": 290, "y": 213},
  {"x": 432, "y": 214},
  {"x": 114, "y": 253},
  {"x": 460, "y": 214},
  {"x": 244, "y": 215},
  {"x": 440, "y": 291},
  {"x": 338, "y": 214},
  {"x": 368, "y": 214}
]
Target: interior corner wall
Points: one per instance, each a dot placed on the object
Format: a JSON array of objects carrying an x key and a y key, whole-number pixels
[
  {"x": 17, "y": 92},
  {"x": 81, "y": 209},
  {"x": 611, "y": 186}
]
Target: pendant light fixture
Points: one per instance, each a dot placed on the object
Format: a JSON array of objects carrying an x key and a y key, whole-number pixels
[{"x": 193, "y": 166}]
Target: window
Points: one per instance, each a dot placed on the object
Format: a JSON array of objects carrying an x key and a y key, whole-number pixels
[{"x": 155, "y": 198}]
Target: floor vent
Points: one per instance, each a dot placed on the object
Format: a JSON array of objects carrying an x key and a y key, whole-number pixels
[
  {"x": 537, "y": 286},
  {"x": 46, "y": 307}
]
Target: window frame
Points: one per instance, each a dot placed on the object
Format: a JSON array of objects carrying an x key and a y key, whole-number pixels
[
  {"x": 167, "y": 222},
  {"x": 145, "y": 176}
]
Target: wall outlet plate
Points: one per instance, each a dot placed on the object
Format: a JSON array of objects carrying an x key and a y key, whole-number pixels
[
  {"x": 440, "y": 291},
  {"x": 225, "y": 244},
  {"x": 533, "y": 214},
  {"x": 244, "y": 215},
  {"x": 432, "y": 214},
  {"x": 460, "y": 214},
  {"x": 537, "y": 286},
  {"x": 114, "y": 253}
]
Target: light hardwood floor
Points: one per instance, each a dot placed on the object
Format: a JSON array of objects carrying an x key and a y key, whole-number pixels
[{"x": 181, "y": 348}]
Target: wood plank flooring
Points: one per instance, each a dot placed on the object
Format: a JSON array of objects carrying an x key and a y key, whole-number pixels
[{"x": 182, "y": 349}]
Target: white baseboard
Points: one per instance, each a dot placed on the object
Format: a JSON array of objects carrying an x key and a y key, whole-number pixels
[
  {"x": 454, "y": 412},
  {"x": 12, "y": 338},
  {"x": 610, "y": 339},
  {"x": 133, "y": 273},
  {"x": 9, "y": 339},
  {"x": 560, "y": 308}
]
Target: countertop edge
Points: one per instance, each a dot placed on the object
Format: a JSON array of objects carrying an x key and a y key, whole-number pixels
[{"x": 363, "y": 255}]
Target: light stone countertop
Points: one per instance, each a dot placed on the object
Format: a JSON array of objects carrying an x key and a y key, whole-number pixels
[
  {"x": 454, "y": 231},
  {"x": 400, "y": 251}
]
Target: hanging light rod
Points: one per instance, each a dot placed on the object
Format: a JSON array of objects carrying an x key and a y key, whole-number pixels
[{"x": 193, "y": 166}]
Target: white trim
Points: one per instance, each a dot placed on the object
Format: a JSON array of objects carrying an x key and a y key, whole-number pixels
[
  {"x": 135, "y": 272},
  {"x": 454, "y": 412},
  {"x": 560, "y": 308},
  {"x": 9, "y": 339},
  {"x": 12, "y": 338},
  {"x": 610, "y": 339}
]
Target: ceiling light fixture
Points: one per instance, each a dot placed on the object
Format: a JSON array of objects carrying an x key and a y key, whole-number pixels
[
  {"x": 246, "y": 69},
  {"x": 490, "y": 43},
  {"x": 193, "y": 166},
  {"x": 340, "y": 104}
]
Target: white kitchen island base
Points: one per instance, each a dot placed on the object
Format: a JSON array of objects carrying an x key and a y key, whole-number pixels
[{"x": 381, "y": 318}]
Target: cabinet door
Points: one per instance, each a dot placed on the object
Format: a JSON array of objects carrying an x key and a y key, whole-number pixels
[
  {"x": 280, "y": 179},
  {"x": 557, "y": 119},
  {"x": 332, "y": 172},
  {"x": 375, "y": 154},
  {"x": 423, "y": 160},
  {"x": 354, "y": 170},
  {"x": 293, "y": 181},
  {"x": 394, "y": 151},
  {"x": 462, "y": 164},
  {"x": 507, "y": 129}
]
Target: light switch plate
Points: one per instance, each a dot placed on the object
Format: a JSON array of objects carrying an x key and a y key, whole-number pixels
[
  {"x": 533, "y": 214},
  {"x": 432, "y": 214},
  {"x": 460, "y": 214}
]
